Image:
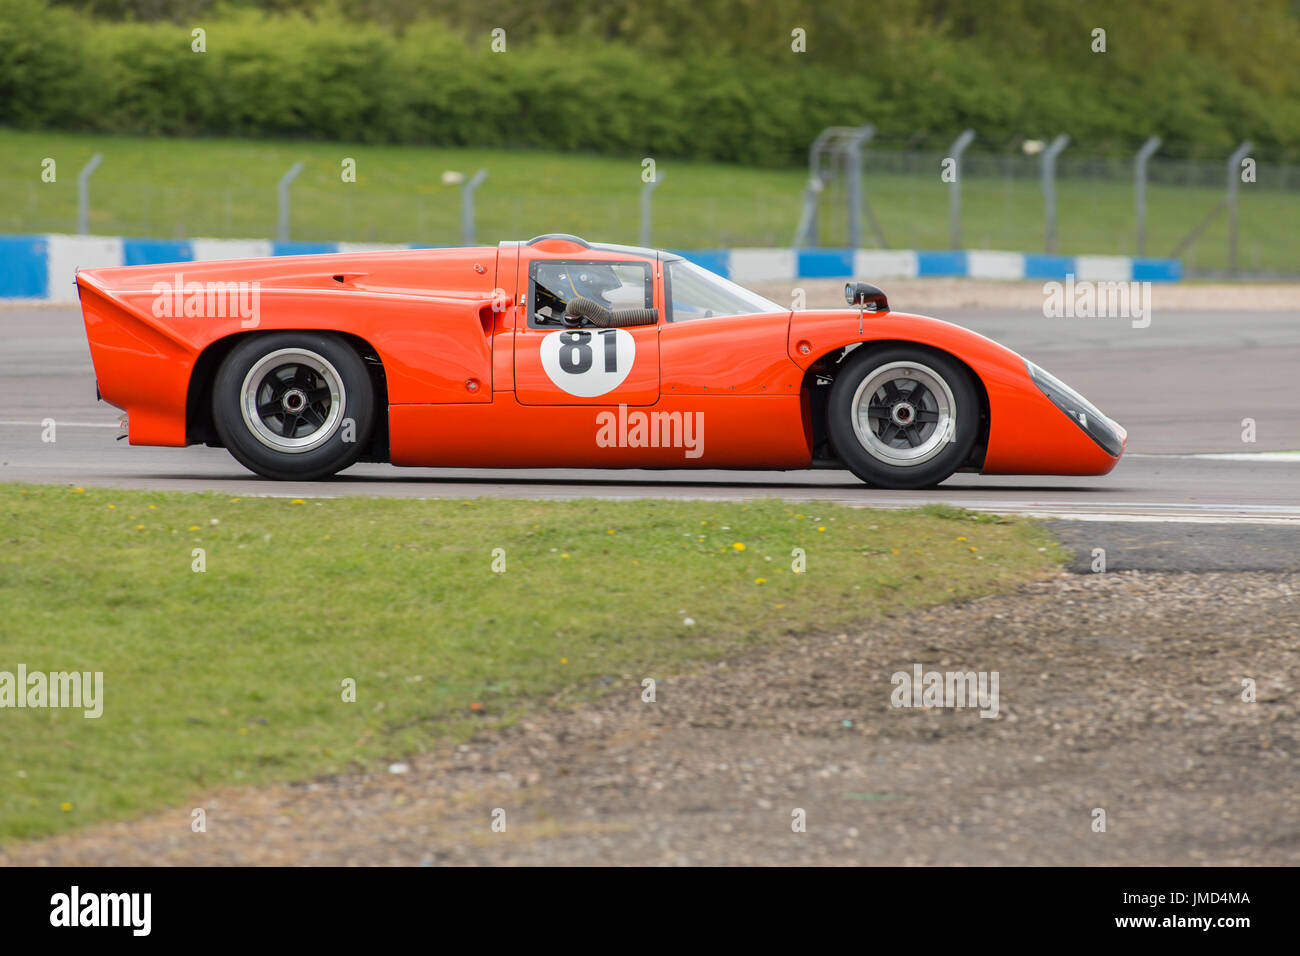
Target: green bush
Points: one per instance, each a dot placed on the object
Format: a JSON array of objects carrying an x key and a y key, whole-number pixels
[
  {"x": 324, "y": 76},
  {"x": 47, "y": 76}
]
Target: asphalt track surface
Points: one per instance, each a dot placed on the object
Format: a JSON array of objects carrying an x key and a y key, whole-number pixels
[{"x": 1181, "y": 386}]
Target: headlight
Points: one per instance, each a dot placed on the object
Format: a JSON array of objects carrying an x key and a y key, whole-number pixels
[{"x": 1079, "y": 410}]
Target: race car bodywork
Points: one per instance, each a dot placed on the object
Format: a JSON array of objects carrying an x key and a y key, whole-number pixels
[{"x": 560, "y": 353}]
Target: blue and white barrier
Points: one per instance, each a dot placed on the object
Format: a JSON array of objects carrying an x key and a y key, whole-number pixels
[
  {"x": 748, "y": 265},
  {"x": 42, "y": 267}
]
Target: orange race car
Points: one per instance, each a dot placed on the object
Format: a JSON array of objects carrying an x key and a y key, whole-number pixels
[{"x": 561, "y": 353}]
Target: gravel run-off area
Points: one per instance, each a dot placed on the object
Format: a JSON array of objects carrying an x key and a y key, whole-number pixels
[{"x": 1117, "y": 691}]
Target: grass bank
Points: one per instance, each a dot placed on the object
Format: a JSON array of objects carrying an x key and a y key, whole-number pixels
[{"x": 236, "y": 673}]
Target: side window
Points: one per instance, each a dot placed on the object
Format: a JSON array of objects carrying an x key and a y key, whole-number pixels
[
  {"x": 696, "y": 293},
  {"x": 615, "y": 285}
]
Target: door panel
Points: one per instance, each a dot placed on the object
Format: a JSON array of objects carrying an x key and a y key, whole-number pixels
[
  {"x": 558, "y": 365},
  {"x": 729, "y": 355},
  {"x": 587, "y": 366}
]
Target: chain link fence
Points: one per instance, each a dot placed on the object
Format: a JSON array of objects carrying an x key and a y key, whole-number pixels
[
  {"x": 905, "y": 203},
  {"x": 1003, "y": 208}
]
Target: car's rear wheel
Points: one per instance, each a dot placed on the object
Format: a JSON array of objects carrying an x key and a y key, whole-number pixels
[
  {"x": 294, "y": 405},
  {"x": 902, "y": 416}
]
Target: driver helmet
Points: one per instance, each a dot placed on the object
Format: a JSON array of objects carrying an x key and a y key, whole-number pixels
[{"x": 590, "y": 282}]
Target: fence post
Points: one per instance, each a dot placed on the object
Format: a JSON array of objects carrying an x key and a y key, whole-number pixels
[
  {"x": 1234, "y": 178},
  {"x": 804, "y": 234},
  {"x": 83, "y": 194},
  {"x": 954, "y": 196},
  {"x": 282, "y": 233},
  {"x": 812, "y": 229},
  {"x": 1049, "y": 190},
  {"x": 467, "y": 207},
  {"x": 853, "y": 154},
  {"x": 1140, "y": 187},
  {"x": 646, "y": 190}
]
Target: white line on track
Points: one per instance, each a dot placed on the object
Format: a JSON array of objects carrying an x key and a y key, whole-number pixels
[
  {"x": 1151, "y": 518},
  {"x": 1150, "y": 512},
  {"x": 1292, "y": 457},
  {"x": 66, "y": 424}
]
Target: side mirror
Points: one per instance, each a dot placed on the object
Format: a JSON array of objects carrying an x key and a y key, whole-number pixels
[{"x": 866, "y": 295}]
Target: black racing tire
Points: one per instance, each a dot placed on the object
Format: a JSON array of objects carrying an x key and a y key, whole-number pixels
[
  {"x": 294, "y": 405},
  {"x": 917, "y": 416}
]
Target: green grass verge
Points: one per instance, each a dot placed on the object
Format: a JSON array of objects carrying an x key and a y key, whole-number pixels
[
  {"x": 234, "y": 675},
  {"x": 182, "y": 188}
]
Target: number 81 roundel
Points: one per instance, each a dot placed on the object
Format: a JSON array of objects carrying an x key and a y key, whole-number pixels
[{"x": 588, "y": 362}]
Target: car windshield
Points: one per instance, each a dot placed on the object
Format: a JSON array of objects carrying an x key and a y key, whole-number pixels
[{"x": 697, "y": 293}]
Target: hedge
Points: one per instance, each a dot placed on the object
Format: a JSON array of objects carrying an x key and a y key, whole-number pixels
[{"x": 324, "y": 77}]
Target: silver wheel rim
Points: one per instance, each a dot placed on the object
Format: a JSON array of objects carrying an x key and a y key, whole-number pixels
[
  {"x": 904, "y": 414},
  {"x": 292, "y": 400}
]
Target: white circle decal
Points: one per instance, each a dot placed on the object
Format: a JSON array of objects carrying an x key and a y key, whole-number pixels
[{"x": 588, "y": 362}]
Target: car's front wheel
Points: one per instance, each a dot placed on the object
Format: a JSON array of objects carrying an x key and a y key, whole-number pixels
[
  {"x": 293, "y": 405},
  {"x": 903, "y": 417}
]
